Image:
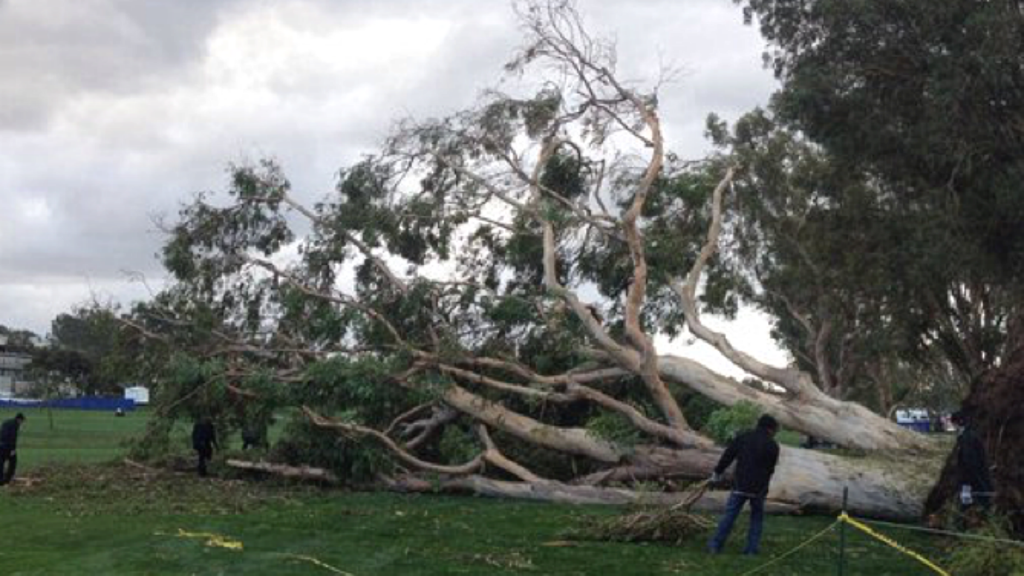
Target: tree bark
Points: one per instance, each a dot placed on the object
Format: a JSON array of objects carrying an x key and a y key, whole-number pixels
[
  {"x": 891, "y": 487},
  {"x": 286, "y": 471},
  {"x": 844, "y": 423},
  {"x": 805, "y": 480},
  {"x": 550, "y": 491}
]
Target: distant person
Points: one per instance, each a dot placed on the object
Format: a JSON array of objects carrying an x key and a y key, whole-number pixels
[
  {"x": 756, "y": 454},
  {"x": 254, "y": 435},
  {"x": 9, "y": 447},
  {"x": 972, "y": 465},
  {"x": 119, "y": 412},
  {"x": 204, "y": 440}
]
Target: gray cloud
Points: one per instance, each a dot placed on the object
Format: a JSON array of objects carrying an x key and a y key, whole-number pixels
[
  {"x": 52, "y": 51},
  {"x": 114, "y": 110}
]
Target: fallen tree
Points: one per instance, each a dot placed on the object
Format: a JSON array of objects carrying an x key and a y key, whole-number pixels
[{"x": 501, "y": 271}]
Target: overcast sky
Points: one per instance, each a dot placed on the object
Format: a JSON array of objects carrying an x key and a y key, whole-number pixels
[{"x": 113, "y": 111}]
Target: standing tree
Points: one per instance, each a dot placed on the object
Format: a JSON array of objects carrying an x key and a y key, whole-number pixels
[
  {"x": 92, "y": 332},
  {"x": 478, "y": 301},
  {"x": 54, "y": 370},
  {"x": 925, "y": 101}
]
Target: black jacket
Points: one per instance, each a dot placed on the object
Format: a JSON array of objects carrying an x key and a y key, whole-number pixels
[
  {"x": 203, "y": 436},
  {"x": 971, "y": 461},
  {"x": 9, "y": 434},
  {"x": 756, "y": 454}
]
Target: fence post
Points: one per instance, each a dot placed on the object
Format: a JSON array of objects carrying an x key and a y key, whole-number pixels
[{"x": 842, "y": 534}]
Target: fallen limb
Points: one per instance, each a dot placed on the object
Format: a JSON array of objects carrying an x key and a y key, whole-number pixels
[
  {"x": 293, "y": 472},
  {"x": 139, "y": 466},
  {"x": 552, "y": 491}
]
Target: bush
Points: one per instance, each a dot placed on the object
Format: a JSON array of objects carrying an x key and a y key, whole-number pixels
[
  {"x": 698, "y": 409},
  {"x": 457, "y": 446},
  {"x": 979, "y": 558},
  {"x": 726, "y": 423},
  {"x": 614, "y": 427},
  {"x": 354, "y": 460}
]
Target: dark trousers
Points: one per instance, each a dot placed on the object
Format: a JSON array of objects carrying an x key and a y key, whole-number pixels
[
  {"x": 732, "y": 511},
  {"x": 8, "y": 464},
  {"x": 204, "y": 455}
]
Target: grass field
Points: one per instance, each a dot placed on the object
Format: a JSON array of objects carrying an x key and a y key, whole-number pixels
[
  {"x": 77, "y": 436},
  {"x": 114, "y": 519}
]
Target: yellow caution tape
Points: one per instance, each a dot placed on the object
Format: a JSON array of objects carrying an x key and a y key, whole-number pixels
[
  {"x": 220, "y": 541},
  {"x": 313, "y": 560},
  {"x": 844, "y": 517},
  {"x": 213, "y": 540}
]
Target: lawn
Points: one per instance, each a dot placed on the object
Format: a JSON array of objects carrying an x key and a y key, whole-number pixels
[
  {"x": 77, "y": 435},
  {"x": 116, "y": 519}
]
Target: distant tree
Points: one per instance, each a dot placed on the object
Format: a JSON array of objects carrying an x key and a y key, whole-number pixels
[
  {"x": 19, "y": 340},
  {"x": 808, "y": 245},
  {"x": 92, "y": 332},
  {"x": 53, "y": 370},
  {"x": 68, "y": 366},
  {"x": 924, "y": 102}
]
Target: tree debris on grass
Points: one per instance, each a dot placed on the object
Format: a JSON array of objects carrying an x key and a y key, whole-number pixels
[
  {"x": 130, "y": 488},
  {"x": 645, "y": 524}
]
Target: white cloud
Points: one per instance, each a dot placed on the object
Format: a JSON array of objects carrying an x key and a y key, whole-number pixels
[{"x": 114, "y": 110}]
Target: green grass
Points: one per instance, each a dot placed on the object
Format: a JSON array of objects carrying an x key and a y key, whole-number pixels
[
  {"x": 385, "y": 534},
  {"x": 113, "y": 519},
  {"x": 76, "y": 436}
]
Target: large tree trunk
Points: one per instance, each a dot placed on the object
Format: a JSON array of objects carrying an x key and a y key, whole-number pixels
[
  {"x": 549, "y": 491},
  {"x": 845, "y": 423},
  {"x": 804, "y": 481},
  {"x": 879, "y": 486},
  {"x": 883, "y": 487}
]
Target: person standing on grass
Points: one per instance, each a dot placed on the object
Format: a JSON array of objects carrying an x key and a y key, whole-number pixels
[
  {"x": 9, "y": 447},
  {"x": 972, "y": 465},
  {"x": 204, "y": 440},
  {"x": 756, "y": 452}
]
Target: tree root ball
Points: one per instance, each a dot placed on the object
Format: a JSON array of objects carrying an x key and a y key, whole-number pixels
[{"x": 995, "y": 404}]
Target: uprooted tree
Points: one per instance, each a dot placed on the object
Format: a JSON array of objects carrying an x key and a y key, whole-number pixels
[{"x": 474, "y": 307}]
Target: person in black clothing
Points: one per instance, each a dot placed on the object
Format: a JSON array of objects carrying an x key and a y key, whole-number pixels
[
  {"x": 972, "y": 465},
  {"x": 9, "y": 447},
  {"x": 254, "y": 435},
  {"x": 756, "y": 454},
  {"x": 204, "y": 440}
]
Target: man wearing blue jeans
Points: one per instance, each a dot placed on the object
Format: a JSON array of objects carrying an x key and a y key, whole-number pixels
[{"x": 756, "y": 454}]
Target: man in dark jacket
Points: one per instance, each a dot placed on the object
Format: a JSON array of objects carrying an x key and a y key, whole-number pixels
[
  {"x": 756, "y": 454},
  {"x": 9, "y": 447},
  {"x": 975, "y": 483},
  {"x": 204, "y": 440}
]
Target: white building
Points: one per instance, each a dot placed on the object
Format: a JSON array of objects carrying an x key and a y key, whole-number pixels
[
  {"x": 13, "y": 375},
  {"x": 138, "y": 393}
]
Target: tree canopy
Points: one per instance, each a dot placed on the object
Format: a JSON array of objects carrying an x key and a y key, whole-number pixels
[{"x": 922, "y": 105}]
